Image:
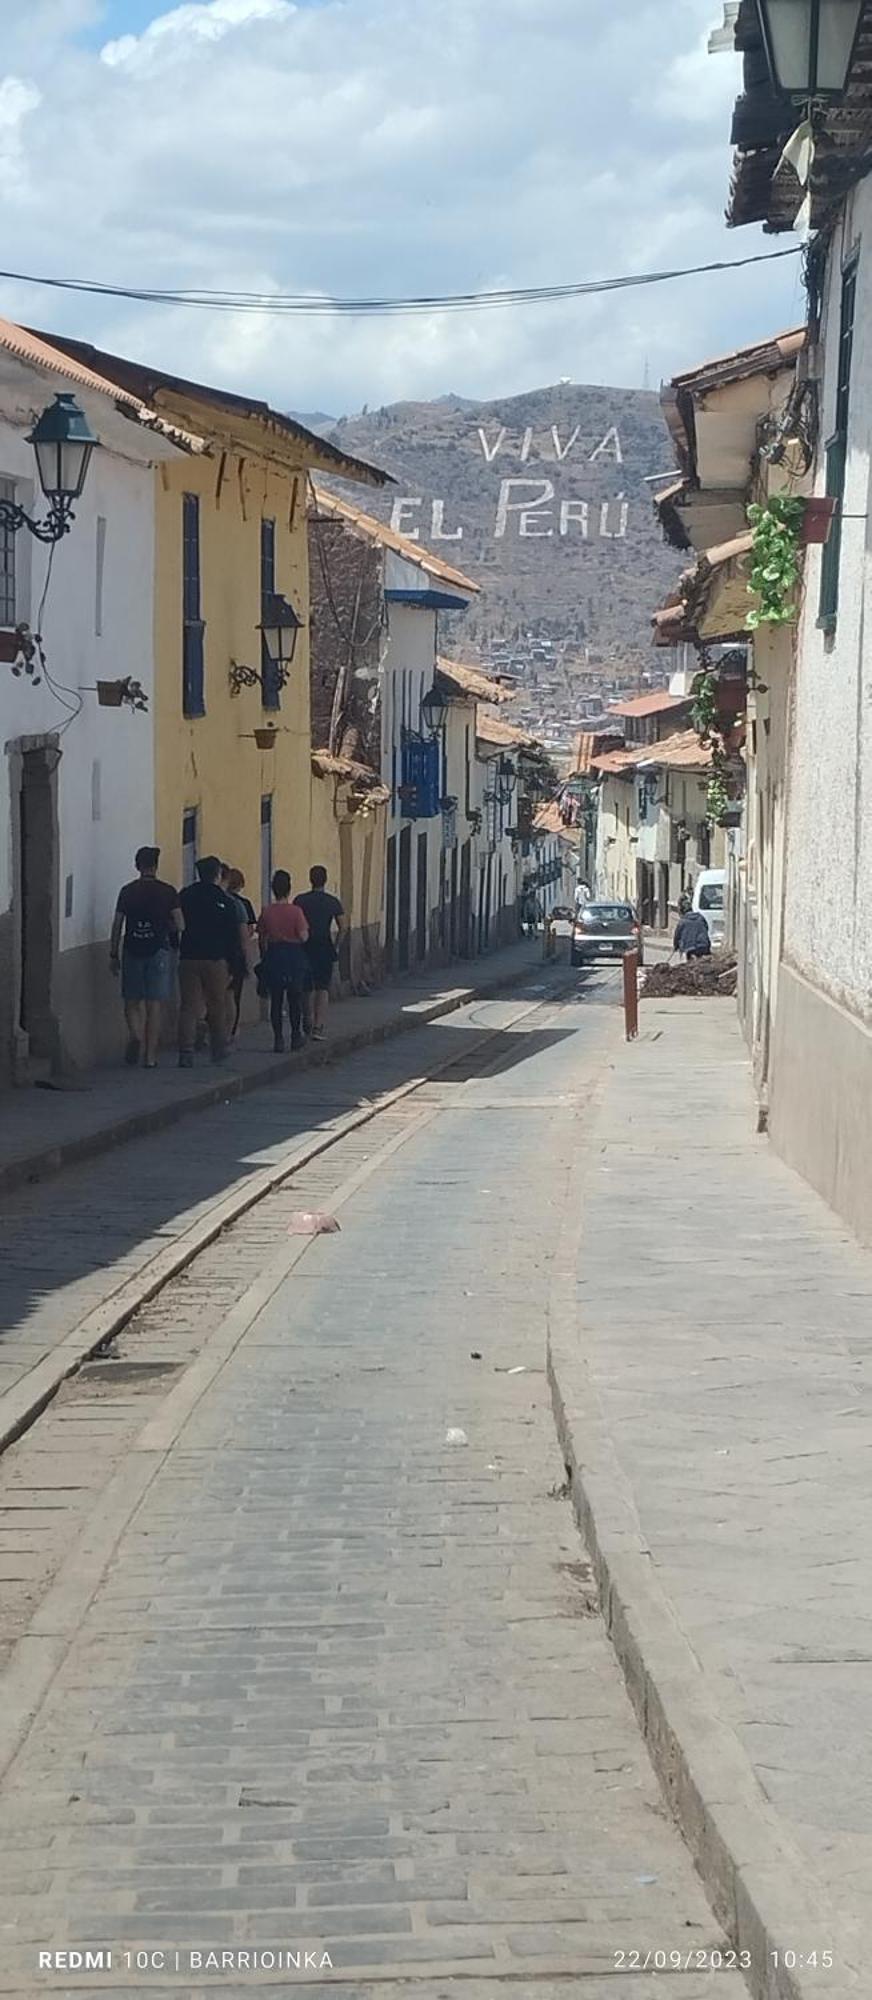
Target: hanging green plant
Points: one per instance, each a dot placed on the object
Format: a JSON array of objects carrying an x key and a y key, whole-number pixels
[
  {"x": 718, "y": 800},
  {"x": 704, "y": 713},
  {"x": 775, "y": 560}
]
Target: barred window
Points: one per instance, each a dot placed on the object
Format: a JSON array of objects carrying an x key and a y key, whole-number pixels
[{"x": 7, "y": 561}]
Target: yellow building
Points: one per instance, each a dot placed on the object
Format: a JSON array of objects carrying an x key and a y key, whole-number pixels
[{"x": 230, "y": 537}]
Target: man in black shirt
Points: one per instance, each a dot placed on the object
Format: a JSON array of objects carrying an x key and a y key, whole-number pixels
[
  {"x": 326, "y": 920},
  {"x": 147, "y": 916},
  {"x": 209, "y": 957}
]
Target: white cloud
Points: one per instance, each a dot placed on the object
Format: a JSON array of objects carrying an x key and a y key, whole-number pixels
[{"x": 363, "y": 146}]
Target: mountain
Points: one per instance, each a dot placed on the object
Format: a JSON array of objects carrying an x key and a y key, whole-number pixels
[{"x": 541, "y": 499}]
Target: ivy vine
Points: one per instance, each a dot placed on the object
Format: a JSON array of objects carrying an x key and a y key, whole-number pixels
[
  {"x": 775, "y": 560},
  {"x": 704, "y": 713}
]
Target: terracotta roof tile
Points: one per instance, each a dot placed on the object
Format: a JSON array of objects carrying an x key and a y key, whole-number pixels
[
  {"x": 471, "y": 681},
  {"x": 378, "y": 531},
  {"x": 648, "y": 704},
  {"x": 491, "y": 729}
]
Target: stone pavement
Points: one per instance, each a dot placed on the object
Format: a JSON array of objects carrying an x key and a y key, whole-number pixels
[
  {"x": 343, "y": 1685},
  {"x": 724, "y": 1316},
  {"x": 41, "y": 1130},
  {"x": 69, "y": 1246}
]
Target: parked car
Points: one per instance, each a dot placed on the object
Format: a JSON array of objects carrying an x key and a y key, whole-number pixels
[
  {"x": 708, "y": 898},
  {"x": 603, "y": 931}
]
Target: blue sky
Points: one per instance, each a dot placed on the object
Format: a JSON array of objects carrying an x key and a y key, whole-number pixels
[{"x": 350, "y": 146}]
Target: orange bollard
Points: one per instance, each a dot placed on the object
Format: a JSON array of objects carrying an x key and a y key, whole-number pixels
[{"x": 631, "y": 995}]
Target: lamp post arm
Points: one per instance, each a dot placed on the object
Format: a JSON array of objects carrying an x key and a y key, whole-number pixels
[{"x": 58, "y": 520}]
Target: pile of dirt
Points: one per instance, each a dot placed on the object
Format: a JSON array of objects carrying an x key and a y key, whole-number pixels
[{"x": 700, "y": 976}]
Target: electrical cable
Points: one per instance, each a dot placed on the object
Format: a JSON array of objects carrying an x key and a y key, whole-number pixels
[{"x": 302, "y": 305}]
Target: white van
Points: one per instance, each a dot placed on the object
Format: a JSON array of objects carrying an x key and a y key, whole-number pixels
[{"x": 708, "y": 898}]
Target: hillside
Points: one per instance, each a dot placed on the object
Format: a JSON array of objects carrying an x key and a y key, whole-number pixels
[{"x": 541, "y": 499}]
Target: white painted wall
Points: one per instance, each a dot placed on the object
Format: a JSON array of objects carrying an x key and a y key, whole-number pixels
[
  {"x": 408, "y": 669},
  {"x": 827, "y": 932},
  {"x": 106, "y": 775}
]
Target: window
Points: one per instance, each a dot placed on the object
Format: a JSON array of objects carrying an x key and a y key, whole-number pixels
[
  {"x": 266, "y": 849},
  {"x": 193, "y": 628},
  {"x": 837, "y": 453},
  {"x": 7, "y": 561},
  {"x": 99, "y": 568},
  {"x": 189, "y": 846},
  {"x": 271, "y": 693},
  {"x": 420, "y": 783}
]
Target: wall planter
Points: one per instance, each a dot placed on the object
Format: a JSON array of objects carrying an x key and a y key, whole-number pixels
[
  {"x": 265, "y": 739},
  {"x": 817, "y": 520},
  {"x": 110, "y": 694},
  {"x": 731, "y": 816}
]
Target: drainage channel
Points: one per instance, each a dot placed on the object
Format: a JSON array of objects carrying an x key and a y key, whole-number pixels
[{"x": 52, "y": 1476}]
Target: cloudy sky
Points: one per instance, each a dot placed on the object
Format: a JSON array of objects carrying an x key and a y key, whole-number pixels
[{"x": 378, "y": 147}]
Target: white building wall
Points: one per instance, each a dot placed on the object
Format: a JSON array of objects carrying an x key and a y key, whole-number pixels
[
  {"x": 105, "y": 777},
  {"x": 827, "y": 935},
  {"x": 820, "y": 1081},
  {"x": 408, "y": 669}
]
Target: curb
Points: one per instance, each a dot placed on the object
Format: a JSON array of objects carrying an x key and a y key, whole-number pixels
[
  {"x": 758, "y": 1883},
  {"x": 22, "y": 1404},
  {"x": 49, "y": 1160}
]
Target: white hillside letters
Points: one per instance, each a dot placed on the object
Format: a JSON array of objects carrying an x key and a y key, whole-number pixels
[{"x": 529, "y": 508}]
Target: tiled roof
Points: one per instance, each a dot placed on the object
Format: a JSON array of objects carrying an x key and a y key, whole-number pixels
[
  {"x": 151, "y": 383},
  {"x": 761, "y": 358},
  {"x": 362, "y": 776},
  {"x": 682, "y": 752},
  {"x": 616, "y": 762},
  {"x": 490, "y": 729},
  {"x": 39, "y": 351},
  {"x": 680, "y": 617},
  {"x": 549, "y": 819},
  {"x": 378, "y": 531},
  {"x": 586, "y": 747},
  {"x": 648, "y": 704},
  {"x": 471, "y": 681}
]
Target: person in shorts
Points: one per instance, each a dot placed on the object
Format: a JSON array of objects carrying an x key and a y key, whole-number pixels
[
  {"x": 148, "y": 919},
  {"x": 234, "y": 887},
  {"x": 326, "y": 919}
]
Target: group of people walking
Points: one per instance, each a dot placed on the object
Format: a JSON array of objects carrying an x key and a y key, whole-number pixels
[{"x": 211, "y": 932}]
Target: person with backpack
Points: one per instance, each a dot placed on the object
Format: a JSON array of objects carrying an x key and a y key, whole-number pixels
[{"x": 148, "y": 918}]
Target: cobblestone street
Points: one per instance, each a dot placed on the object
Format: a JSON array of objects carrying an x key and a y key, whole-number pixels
[{"x": 323, "y": 1660}]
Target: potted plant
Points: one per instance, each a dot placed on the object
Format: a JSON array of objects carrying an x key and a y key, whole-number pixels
[
  {"x": 265, "y": 738},
  {"x": 110, "y": 694},
  {"x": 818, "y": 519}
]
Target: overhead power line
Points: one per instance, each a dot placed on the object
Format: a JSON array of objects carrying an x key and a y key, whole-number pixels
[{"x": 302, "y": 305}]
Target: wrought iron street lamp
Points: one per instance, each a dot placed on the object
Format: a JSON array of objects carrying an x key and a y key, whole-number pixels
[
  {"x": 63, "y": 442},
  {"x": 279, "y": 625},
  {"x": 434, "y": 708},
  {"x": 810, "y": 45}
]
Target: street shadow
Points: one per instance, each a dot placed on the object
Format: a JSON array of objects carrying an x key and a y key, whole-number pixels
[{"x": 68, "y": 1242}]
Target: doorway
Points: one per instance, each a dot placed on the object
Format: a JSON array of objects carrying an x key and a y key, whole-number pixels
[
  {"x": 663, "y": 897},
  {"x": 37, "y": 871},
  {"x": 421, "y": 900},
  {"x": 464, "y": 922},
  {"x": 390, "y": 901},
  {"x": 346, "y": 895},
  {"x": 404, "y": 912}
]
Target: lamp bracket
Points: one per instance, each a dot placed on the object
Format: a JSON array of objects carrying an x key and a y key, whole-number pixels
[{"x": 58, "y": 520}]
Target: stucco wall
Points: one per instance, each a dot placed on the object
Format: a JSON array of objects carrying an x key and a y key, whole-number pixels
[
  {"x": 105, "y": 778},
  {"x": 212, "y": 761},
  {"x": 353, "y": 852},
  {"x": 827, "y": 934}
]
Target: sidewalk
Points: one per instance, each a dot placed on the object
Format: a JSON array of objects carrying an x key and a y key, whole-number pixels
[
  {"x": 44, "y": 1130},
  {"x": 713, "y": 1380}
]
